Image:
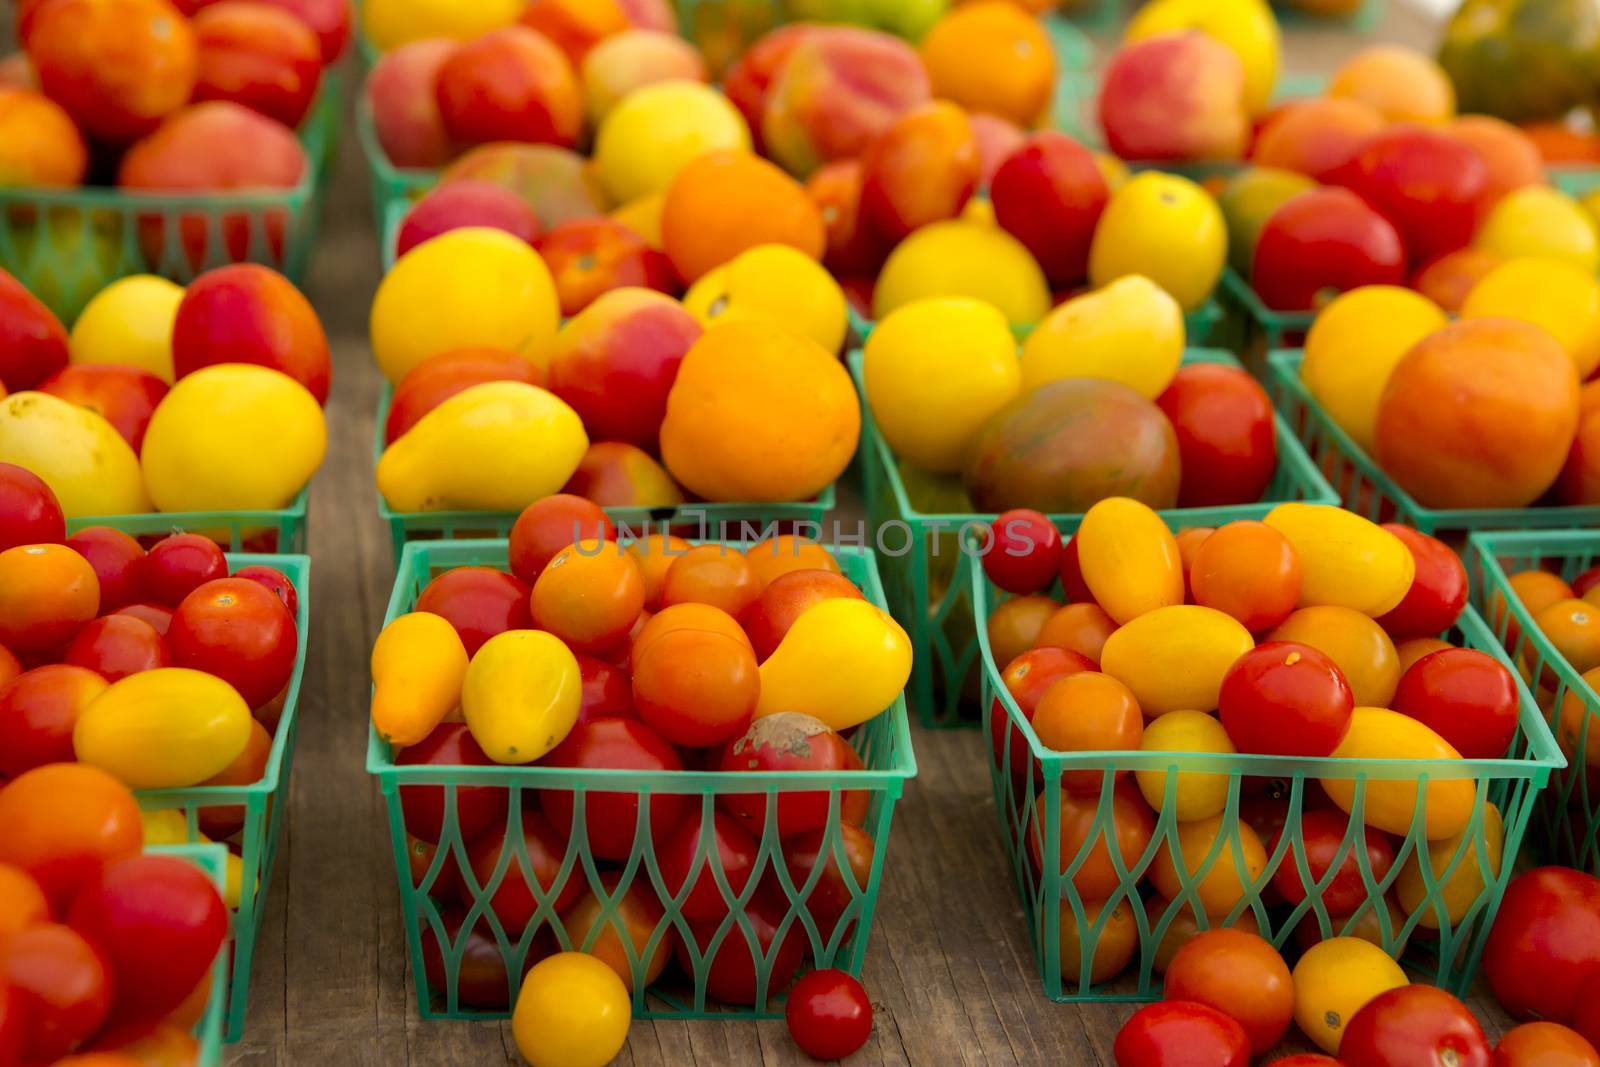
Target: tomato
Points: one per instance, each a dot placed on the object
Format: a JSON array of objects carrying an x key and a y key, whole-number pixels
[
  {"x": 276, "y": 582},
  {"x": 1432, "y": 185},
  {"x": 1345, "y": 560},
  {"x": 520, "y": 694},
  {"x": 1195, "y": 794},
  {"x": 1132, "y": 824},
  {"x": 711, "y": 574},
  {"x": 515, "y": 900},
  {"x": 835, "y": 891},
  {"x": 1181, "y": 1033},
  {"x": 683, "y": 863},
  {"x": 115, "y": 646},
  {"x": 1459, "y": 892},
  {"x": 63, "y": 984},
  {"x": 1174, "y": 658},
  {"x": 440, "y": 377},
  {"x": 1392, "y": 804},
  {"x": 1116, "y": 939},
  {"x": 477, "y": 806},
  {"x": 29, "y": 512},
  {"x": 1088, "y": 712},
  {"x": 447, "y": 884},
  {"x": 1306, "y": 1060},
  {"x": 38, "y": 710},
  {"x": 607, "y": 692},
  {"x": 1413, "y": 649},
  {"x": 1022, "y": 553},
  {"x": 237, "y": 630},
  {"x": 1586, "y": 581},
  {"x": 158, "y": 616},
  {"x": 481, "y": 974},
  {"x": 1016, "y": 625},
  {"x": 638, "y": 913},
  {"x": 1333, "y": 980},
  {"x": 696, "y": 689},
  {"x": 1536, "y": 589},
  {"x": 248, "y": 768},
  {"x": 13, "y": 1024},
  {"x": 1241, "y": 975},
  {"x": 1183, "y": 928},
  {"x": 479, "y": 602},
  {"x": 178, "y": 565},
  {"x": 63, "y": 821},
  {"x": 1227, "y": 435},
  {"x": 1323, "y": 836},
  {"x": 572, "y": 1009},
  {"x": 685, "y": 617},
  {"x": 1285, "y": 699},
  {"x": 1545, "y": 943},
  {"x": 1363, "y": 652},
  {"x": 22, "y": 902},
  {"x": 1544, "y": 1045},
  {"x": 118, "y": 561},
  {"x": 47, "y": 594},
  {"x": 729, "y": 968},
  {"x": 611, "y": 818},
  {"x": 829, "y": 1014},
  {"x": 1586, "y": 1010},
  {"x": 1467, "y": 696},
  {"x": 1438, "y": 592},
  {"x": 784, "y": 599},
  {"x": 1247, "y": 570},
  {"x": 1080, "y": 628},
  {"x": 547, "y": 526},
  {"x": 1072, "y": 584},
  {"x": 168, "y": 728},
  {"x": 843, "y": 662},
  {"x": 161, "y": 1044},
  {"x": 1222, "y": 862},
  {"x": 1323, "y": 241},
  {"x": 787, "y": 741},
  {"x": 1414, "y": 1026},
  {"x": 590, "y": 595},
  {"x": 1129, "y": 559}
]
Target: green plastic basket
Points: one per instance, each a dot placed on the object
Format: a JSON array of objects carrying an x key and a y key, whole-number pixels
[
  {"x": 1574, "y": 179},
  {"x": 277, "y": 530},
  {"x": 1367, "y": 490},
  {"x": 937, "y": 609},
  {"x": 1566, "y": 829},
  {"x": 1446, "y": 957},
  {"x": 263, "y": 803},
  {"x": 884, "y": 744},
  {"x": 93, "y": 236},
  {"x": 212, "y": 859}
]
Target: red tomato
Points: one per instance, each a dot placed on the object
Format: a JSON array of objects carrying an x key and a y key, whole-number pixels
[
  {"x": 447, "y": 883},
  {"x": 1241, "y": 975},
  {"x": 178, "y": 565},
  {"x": 160, "y": 922},
  {"x": 1287, "y": 699},
  {"x": 1431, "y": 185},
  {"x": 13, "y": 1024},
  {"x": 481, "y": 978},
  {"x": 1306, "y": 1059},
  {"x": 785, "y": 599},
  {"x": 1227, "y": 437},
  {"x": 63, "y": 821},
  {"x": 157, "y": 615},
  {"x": 1414, "y": 1026},
  {"x": 29, "y": 513},
  {"x": 477, "y": 806},
  {"x": 514, "y": 901},
  {"x": 607, "y": 692},
  {"x": 696, "y": 688},
  {"x": 1545, "y": 942},
  {"x": 237, "y": 630},
  {"x": 682, "y": 860},
  {"x": 118, "y": 561},
  {"x": 1467, "y": 696},
  {"x": 1181, "y": 1033},
  {"x": 547, "y": 526},
  {"x": 115, "y": 646},
  {"x": 479, "y": 602},
  {"x": 125, "y": 397},
  {"x": 1022, "y": 554},
  {"x": 1438, "y": 592},
  {"x": 1323, "y": 833},
  {"x": 787, "y": 741},
  {"x": 1586, "y": 1010},
  {"x": 1544, "y": 1045},
  {"x": 1321, "y": 242},
  {"x": 611, "y": 818},
  {"x": 1586, "y": 581},
  {"x": 38, "y": 710},
  {"x": 730, "y": 968},
  {"x": 438, "y": 378},
  {"x": 1072, "y": 583},
  {"x": 63, "y": 984},
  {"x": 1027, "y": 678},
  {"x": 834, "y": 892},
  {"x": 276, "y": 582},
  {"x": 829, "y": 1014}
]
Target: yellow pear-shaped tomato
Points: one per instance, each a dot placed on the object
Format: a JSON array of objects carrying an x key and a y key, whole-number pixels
[
  {"x": 843, "y": 661},
  {"x": 1345, "y": 560},
  {"x": 163, "y": 729},
  {"x": 80, "y": 456},
  {"x": 521, "y": 695},
  {"x": 1131, "y": 331},
  {"x": 1174, "y": 658},
  {"x": 418, "y": 665},
  {"x": 1464, "y": 885},
  {"x": 1129, "y": 559},
  {"x": 498, "y": 446},
  {"x": 1391, "y": 804}
]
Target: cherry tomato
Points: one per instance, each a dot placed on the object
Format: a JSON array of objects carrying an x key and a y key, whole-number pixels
[
  {"x": 1356, "y": 644},
  {"x": 607, "y": 692},
  {"x": 1410, "y": 651},
  {"x": 1072, "y": 583},
  {"x": 477, "y": 806},
  {"x": 1438, "y": 592},
  {"x": 481, "y": 978},
  {"x": 13, "y": 1024},
  {"x": 730, "y": 969},
  {"x": 735, "y": 855},
  {"x": 611, "y": 818},
  {"x": 1247, "y": 570},
  {"x": 178, "y": 565},
  {"x": 29, "y": 512},
  {"x": 547, "y": 526},
  {"x": 237, "y": 630},
  {"x": 1027, "y": 678},
  {"x": 1080, "y": 628},
  {"x": 22, "y": 902},
  {"x": 1414, "y": 1026},
  {"x": 1088, "y": 712},
  {"x": 115, "y": 646},
  {"x": 1287, "y": 699},
  {"x": 513, "y": 900},
  {"x": 1181, "y": 1033},
  {"x": 1022, "y": 553},
  {"x": 1544, "y": 1045},
  {"x": 1586, "y": 1010},
  {"x": 63, "y": 984},
  {"x": 118, "y": 561},
  {"x": 829, "y": 1014},
  {"x": 1132, "y": 825},
  {"x": 38, "y": 710},
  {"x": 157, "y": 615},
  {"x": 47, "y": 594},
  {"x": 1586, "y": 581},
  {"x": 63, "y": 821},
  {"x": 1306, "y": 1059},
  {"x": 1015, "y": 625},
  {"x": 711, "y": 574},
  {"x": 1323, "y": 834},
  {"x": 447, "y": 884},
  {"x": 247, "y": 768},
  {"x": 1545, "y": 942},
  {"x": 1227, "y": 439},
  {"x": 834, "y": 892},
  {"x": 590, "y": 595},
  {"x": 784, "y": 599},
  {"x": 1467, "y": 696},
  {"x": 479, "y": 602},
  {"x": 787, "y": 741},
  {"x": 276, "y": 582},
  {"x": 1241, "y": 975},
  {"x": 638, "y": 913}
]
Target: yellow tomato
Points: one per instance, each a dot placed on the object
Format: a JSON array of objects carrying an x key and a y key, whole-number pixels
[
  {"x": 573, "y": 1011},
  {"x": 1345, "y": 559},
  {"x": 1129, "y": 559},
  {"x": 163, "y": 729},
  {"x": 86, "y": 463},
  {"x": 1538, "y": 220},
  {"x": 392, "y": 23},
  {"x": 961, "y": 258},
  {"x": 1220, "y": 862},
  {"x": 1334, "y": 980},
  {"x": 166, "y": 826},
  {"x": 521, "y": 694},
  {"x": 658, "y": 129},
  {"x": 1471, "y": 853},
  {"x": 1197, "y": 794},
  {"x": 776, "y": 284},
  {"x": 1363, "y": 651},
  {"x": 1247, "y": 27},
  {"x": 418, "y": 666},
  {"x": 1166, "y": 228},
  {"x": 643, "y": 217},
  {"x": 1174, "y": 658},
  {"x": 1131, "y": 332},
  {"x": 843, "y": 661},
  {"x": 1391, "y": 804},
  {"x": 1552, "y": 293},
  {"x": 129, "y": 322}
]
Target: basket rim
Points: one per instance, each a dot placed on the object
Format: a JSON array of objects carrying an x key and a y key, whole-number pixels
[{"x": 197, "y": 520}]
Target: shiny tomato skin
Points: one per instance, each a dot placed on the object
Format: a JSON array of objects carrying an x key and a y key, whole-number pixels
[
  {"x": 1241, "y": 975},
  {"x": 1322, "y": 835},
  {"x": 731, "y": 971},
  {"x": 118, "y": 561},
  {"x": 550, "y": 524},
  {"x": 13, "y": 1024},
  {"x": 63, "y": 822},
  {"x": 276, "y": 582},
  {"x": 1027, "y": 678},
  {"x": 1285, "y": 698},
  {"x": 477, "y": 806},
  {"x": 787, "y": 741},
  {"x": 1467, "y": 696},
  {"x": 29, "y": 512},
  {"x": 1181, "y": 1033},
  {"x": 1306, "y": 1059},
  {"x": 611, "y": 818},
  {"x": 1227, "y": 436},
  {"x": 157, "y": 615},
  {"x": 63, "y": 984},
  {"x": 479, "y": 602},
  {"x": 1542, "y": 1044},
  {"x": 115, "y": 646},
  {"x": 829, "y": 1014},
  {"x": 1586, "y": 1010},
  {"x": 1023, "y": 551},
  {"x": 834, "y": 892},
  {"x": 1438, "y": 592},
  {"x": 1545, "y": 943},
  {"x": 1323, "y": 240},
  {"x": 733, "y": 846},
  {"x": 1414, "y": 1026},
  {"x": 38, "y": 710},
  {"x": 607, "y": 692},
  {"x": 1072, "y": 583},
  {"x": 178, "y": 565},
  {"x": 239, "y": 631}
]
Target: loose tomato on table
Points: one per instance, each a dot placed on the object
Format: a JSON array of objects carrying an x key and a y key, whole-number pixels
[
  {"x": 1545, "y": 943},
  {"x": 1414, "y": 1026},
  {"x": 1181, "y": 1033},
  {"x": 1333, "y": 980},
  {"x": 829, "y": 1014},
  {"x": 1241, "y": 975},
  {"x": 1022, "y": 553}
]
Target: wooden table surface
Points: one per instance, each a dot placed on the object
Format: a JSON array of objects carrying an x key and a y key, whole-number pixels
[{"x": 949, "y": 968}]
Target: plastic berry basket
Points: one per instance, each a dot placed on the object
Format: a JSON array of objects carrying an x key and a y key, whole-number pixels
[
  {"x": 211, "y": 859},
  {"x": 1455, "y": 897},
  {"x": 1566, "y": 825},
  {"x": 263, "y": 804},
  {"x": 274, "y": 530},
  {"x": 1367, "y": 490},
  {"x": 920, "y": 558},
  {"x": 884, "y": 744},
  {"x": 65, "y": 245}
]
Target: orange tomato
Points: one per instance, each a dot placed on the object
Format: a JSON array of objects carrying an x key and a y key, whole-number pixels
[
  {"x": 22, "y": 902},
  {"x": 1184, "y": 928},
  {"x": 1088, "y": 712},
  {"x": 1241, "y": 975},
  {"x": 1247, "y": 570},
  {"x": 1536, "y": 589},
  {"x": 1352, "y": 640},
  {"x": 1573, "y": 626},
  {"x": 1408, "y": 652},
  {"x": 62, "y": 822},
  {"x": 1015, "y": 626},
  {"x": 639, "y": 913},
  {"x": 772, "y": 558},
  {"x": 1132, "y": 824},
  {"x": 696, "y": 688},
  {"x": 47, "y": 593},
  {"x": 247, "y": 768},
  {"x": 655, "y": 554},
  {"x": 1080, "y": 628},
  {"x": 1115, "y": 941},
  {"x": 711, "y": 574},
  {"x": 590, "y": 595},
  {"x": 685, "y": 617},
  {"x": 1544, "y": 1044},
  {"x": 1220, "y": 881}
]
